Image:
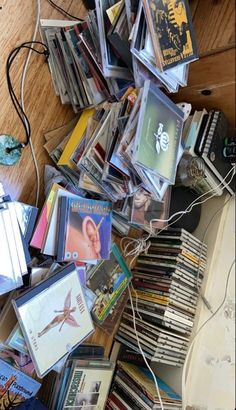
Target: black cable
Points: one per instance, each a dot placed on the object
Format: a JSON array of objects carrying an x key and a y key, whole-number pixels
[
  {"x": 10, "y": 60},
  {"x": 62, "y": 11},
  {"x": 20, "y": 112}
]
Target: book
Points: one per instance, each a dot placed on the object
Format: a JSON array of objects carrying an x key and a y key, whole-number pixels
[
  {"x": 88, "y": 385},
  {"x": 171, "y": 30},
  {"x": 15, "y": 386},
  {"x": 84, "y": 229},
  {"x": 108, "y": 280},
  {"x": 54, "y": 317},
  {"x": 158, "y": 134}
]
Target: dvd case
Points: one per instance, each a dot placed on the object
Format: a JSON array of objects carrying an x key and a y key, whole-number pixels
[
  {"x": 108, "y": 280},
  {"x": 158, "y": 135},
  {"x": 84, "y": 229},
  {"x": 88, "y": 385},
  {"x": 16, "y": 386},
  {"x": 12, "y": 256},
  {"x": 54, "y": 318}
]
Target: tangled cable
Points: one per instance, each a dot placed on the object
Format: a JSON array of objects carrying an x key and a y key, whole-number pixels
[{"x": 17, "y": 105}]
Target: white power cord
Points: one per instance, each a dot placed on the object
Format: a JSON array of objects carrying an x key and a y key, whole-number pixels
[
  {"x": 142, "y": 353},
  {"x": 23, "y": 105}
]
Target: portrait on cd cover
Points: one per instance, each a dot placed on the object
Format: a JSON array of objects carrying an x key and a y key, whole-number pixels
[
  {"x": 145, "y": 209},
  {"x": 88, "y": 388},
  {"x": 88, "y": 231}
]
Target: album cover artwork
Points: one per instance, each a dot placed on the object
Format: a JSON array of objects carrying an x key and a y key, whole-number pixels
[{"x": 54, "y": 318}]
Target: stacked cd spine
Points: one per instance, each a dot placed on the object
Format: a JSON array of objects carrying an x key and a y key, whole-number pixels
[{"x": 166, "y": 284}]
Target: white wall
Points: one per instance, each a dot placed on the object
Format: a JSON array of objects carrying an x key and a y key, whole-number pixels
[{"x": 210, "y": 377}]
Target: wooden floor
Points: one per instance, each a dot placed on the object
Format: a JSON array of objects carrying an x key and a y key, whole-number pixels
[
  {"x": 42, "y": 106},
  {"x": 214, "y": 27}
]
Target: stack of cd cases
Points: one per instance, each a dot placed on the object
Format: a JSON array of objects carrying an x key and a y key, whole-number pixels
[
  {"x": 12, "y": 253},
  {"x": 166, "y": 283}
]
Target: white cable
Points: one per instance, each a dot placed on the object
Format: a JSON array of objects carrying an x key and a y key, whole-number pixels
[
  {"x": 142, "y": 353},
  {"x": 142, "y": 244},
  {"x": 22, "y": 101},
  {"x": 206, "y": 193},
  {"x": 196, "y": 335}
]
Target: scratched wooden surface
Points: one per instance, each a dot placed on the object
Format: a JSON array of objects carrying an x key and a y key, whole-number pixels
[
  {"x": 214, "y": 25},
  {"x": 42, "y": 106}
]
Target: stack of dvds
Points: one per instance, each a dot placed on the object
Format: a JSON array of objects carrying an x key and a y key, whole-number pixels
[
  {"x": 161, "y": 45},
  {"x": 16, "y": 225},
  {"x": 133, "y": 388},
  {"x": 75, "y": 62},
  {"x": 166, "y": 282},
  {"x": 116, "y": 45}
]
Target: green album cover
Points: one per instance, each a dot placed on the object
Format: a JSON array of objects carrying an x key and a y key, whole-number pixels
[{"x": 158, "y": 134}]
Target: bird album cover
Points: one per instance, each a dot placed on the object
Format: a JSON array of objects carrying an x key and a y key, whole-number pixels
[{"x": 54, "y": 318}]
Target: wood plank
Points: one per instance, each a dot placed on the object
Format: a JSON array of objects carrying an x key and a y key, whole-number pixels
[
  {"x": 214, "y": 24},
  {"x": 213, "y": 70},
  {"x": 222, "y": 97},
  {"x": 216, "y": 74},
  {"x": 44, "y": 109}
]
